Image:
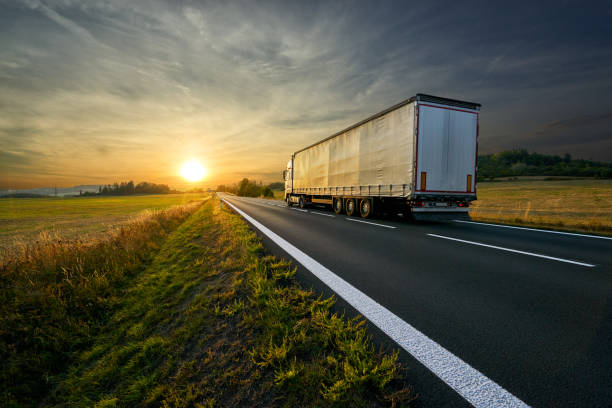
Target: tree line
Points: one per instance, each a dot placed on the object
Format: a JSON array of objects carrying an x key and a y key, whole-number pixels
[
  {"x": 522, "y": 163},
  {"x": 129, "y": 188},
  {"x": 247, "y": 188}
]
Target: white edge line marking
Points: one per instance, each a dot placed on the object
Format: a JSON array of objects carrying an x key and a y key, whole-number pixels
[
  {"x": 371, "y": 223},
  {"x": 319, "y": 213},
  {"x": 513, "y": 250},
  {"x": 535, "y": 229},
  {"x": 471, "y": 384}
]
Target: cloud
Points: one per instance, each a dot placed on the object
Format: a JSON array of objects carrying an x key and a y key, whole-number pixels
[
  {"x": 68, "y": 24},
  {"x": 129, "y": 89},
  {"x": 604, "y": 120},
  {"x": 10, "y": 160}
]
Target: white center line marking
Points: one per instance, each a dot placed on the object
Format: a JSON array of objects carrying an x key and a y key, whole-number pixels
[
  {"x": 327, "y": 215},
  {"x": 298, "y": 209},
  {"x": 534, "y": 229},
  {"x": 371, "y": 223},
  {"x": 513, "y": 250},
  {"x": 471, "y": 384}
]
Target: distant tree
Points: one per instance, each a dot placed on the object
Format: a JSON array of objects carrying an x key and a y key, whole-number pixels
[
  {"x": 128, "y": 188},
  {"x": 267, "y": 192},
  {"x": 278, "y": 185},
  {"x": 522, "y": 163},
  {"x": 247, "y": 188}
]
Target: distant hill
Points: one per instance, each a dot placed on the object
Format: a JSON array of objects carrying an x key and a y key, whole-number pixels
[
  {"x": 52, "y": 191},
  {"x": 22, "y": 195},
  {"x": 522, "y": 163},
  {"x": 124, "y": 188}
]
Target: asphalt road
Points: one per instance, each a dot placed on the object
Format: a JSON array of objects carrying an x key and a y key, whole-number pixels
[{"x": 531, "y": 310}]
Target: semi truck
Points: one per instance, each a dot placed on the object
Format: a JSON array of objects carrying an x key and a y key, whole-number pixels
[{"x": 417, "y": 158}]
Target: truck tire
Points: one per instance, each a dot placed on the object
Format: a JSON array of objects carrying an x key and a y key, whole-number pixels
[
  {"x": 289, "y": 203},
  {"x": 365, "y": 207},
  {"x": 350, "y": 207},
  {"x": 338, "y": 205},
  {"x": 301, "y": 202}
]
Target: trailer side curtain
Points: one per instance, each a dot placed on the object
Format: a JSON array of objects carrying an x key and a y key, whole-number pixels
[{"x": 376, "y": 156}]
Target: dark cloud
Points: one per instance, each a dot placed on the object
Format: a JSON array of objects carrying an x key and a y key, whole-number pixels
[
  {"x": 112, "y": 81},
  {"x": 103, "y": 150},
  {"x": 10, "y": 160},
  {"x": 604, "y": 121}
]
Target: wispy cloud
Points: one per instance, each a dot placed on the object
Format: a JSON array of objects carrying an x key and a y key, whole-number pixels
[
  {"x": 68, "y": 24},
  {"x": 131, "y": 89}
]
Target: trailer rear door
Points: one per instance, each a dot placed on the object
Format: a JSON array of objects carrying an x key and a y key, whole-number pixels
[{"x": 447, "y": 138}]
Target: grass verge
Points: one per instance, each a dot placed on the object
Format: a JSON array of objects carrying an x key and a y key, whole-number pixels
[
  {"x": 56, "y": 295},
  {"x": 213, "y": 321}
]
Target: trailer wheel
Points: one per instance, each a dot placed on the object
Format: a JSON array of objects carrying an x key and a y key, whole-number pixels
[
  {"x": 338, "y": 205},
  {"x": 365, "y": 207},
  {"x": 301, "y": 202},
  {"x": 350, "y": 207}
]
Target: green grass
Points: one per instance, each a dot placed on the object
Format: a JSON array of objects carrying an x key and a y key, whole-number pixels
[
  {"x": 56, "y": 296},
  {"x": 24, "y": 219},
  {"x": 214, "y": 321},
  {"x": 574, "y": 205}
]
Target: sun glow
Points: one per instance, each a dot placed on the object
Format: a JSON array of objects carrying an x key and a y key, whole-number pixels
[{"x": 193, "y": 171}]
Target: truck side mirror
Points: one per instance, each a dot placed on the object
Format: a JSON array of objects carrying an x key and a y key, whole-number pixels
[{"x": 285, "y": 175}]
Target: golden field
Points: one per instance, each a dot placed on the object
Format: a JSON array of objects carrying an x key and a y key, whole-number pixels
[
  {"x": 575, "y": 205},
  {"x": 583, "y": 205}
]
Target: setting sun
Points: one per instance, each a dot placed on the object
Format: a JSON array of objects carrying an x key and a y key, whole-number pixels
[{"x": 193, "y": 171}]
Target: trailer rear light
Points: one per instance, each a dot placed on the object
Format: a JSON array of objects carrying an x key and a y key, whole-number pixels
[{"x": 463, "y": 204}]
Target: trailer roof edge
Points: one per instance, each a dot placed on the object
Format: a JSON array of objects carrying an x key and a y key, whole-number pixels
[
  {"x": 419, "y": 96},
  {"x": 448, "y": 101}
]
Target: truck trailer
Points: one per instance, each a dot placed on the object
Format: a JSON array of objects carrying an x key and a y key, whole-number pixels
[{"x": 417, "y": 157}]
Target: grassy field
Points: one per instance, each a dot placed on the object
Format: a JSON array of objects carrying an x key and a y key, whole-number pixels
[
  {"x": 24, "y": 219},
  {"x": 583, "y": 205},
  {"x": 183, "y": 309},
  {"x": 574, "y": 205},
  {"x": 57, "y": 295}
]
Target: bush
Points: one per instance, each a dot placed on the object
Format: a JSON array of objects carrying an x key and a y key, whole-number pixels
[{"x": 267, "y": 192}]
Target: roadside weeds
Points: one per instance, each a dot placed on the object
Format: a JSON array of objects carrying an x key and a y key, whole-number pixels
[{"x": 214, "y": 321}]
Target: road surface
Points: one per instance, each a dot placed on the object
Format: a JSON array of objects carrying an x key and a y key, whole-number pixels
[{"x": 530, "y": 311}]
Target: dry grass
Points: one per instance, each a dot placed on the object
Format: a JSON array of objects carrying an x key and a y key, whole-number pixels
[
  {"x": 179, "y": 308},
  {"x": 573, "y": 205},
  {"x": 56, "y": 294},
  {"x": 583, "y": 205},
  {"x": 279, "y": 195},
  {"x": 213, "y": 321}
]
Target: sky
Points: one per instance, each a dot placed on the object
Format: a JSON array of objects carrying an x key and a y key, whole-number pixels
[{"x": 93, "y": 92}]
